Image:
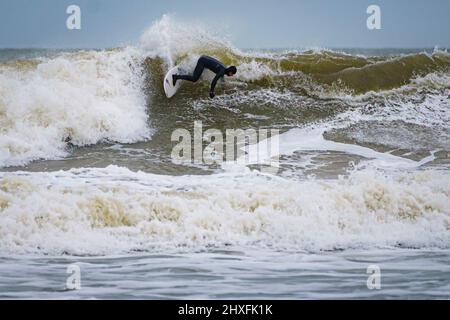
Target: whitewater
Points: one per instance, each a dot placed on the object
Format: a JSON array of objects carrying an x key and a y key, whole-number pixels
[{"x": 86, "y": 175}]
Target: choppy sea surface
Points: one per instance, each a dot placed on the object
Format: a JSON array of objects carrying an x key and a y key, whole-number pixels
[{"x": 88, "y": 182}]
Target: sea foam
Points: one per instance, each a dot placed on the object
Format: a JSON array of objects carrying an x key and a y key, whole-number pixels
[
  {"x": 114, "y": 210},
  {"x": 85, "y": 96}
]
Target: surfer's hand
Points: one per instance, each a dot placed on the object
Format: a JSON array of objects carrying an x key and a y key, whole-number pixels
[{"x": 212, "y": 94}]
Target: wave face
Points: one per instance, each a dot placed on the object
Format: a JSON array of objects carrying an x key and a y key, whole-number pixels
[
  {"x": 168, "y": 43},
  {"x": 86, "y": 96},
  {"x": 313, "y": 72}
]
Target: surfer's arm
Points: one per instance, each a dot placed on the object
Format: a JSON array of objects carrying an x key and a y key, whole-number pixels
[{"x": 213, "y": 84}]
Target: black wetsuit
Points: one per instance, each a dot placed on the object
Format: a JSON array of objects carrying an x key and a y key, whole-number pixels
[{"x": 205, "y": 62}]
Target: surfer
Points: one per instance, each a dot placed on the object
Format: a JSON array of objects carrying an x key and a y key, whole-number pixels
[{"x": 211, "y": 64}]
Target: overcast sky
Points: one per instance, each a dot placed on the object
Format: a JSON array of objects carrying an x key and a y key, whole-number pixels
[{"x": 249, "y": 23}]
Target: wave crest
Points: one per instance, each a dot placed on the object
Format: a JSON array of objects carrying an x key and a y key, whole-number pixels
[{"x": 84, "y": 97}]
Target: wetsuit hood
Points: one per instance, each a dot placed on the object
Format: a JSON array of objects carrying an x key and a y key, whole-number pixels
[{"x": 231, "y": 69}]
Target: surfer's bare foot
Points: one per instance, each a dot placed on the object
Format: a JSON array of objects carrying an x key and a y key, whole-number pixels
[{"x": 174, "y": 79}]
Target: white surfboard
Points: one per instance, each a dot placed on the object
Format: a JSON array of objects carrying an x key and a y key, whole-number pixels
[{"x": 169, "y": 88}]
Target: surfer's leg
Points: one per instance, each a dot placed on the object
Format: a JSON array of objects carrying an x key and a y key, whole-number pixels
[{"x": 193, "y": 78}]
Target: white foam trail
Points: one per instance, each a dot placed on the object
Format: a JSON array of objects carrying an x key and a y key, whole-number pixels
[
  {"x": 113, "y": 210},
  {"x": 89, "y": 96},
  {"x": 311, "y": 139},
  {"x": 431, "y": 110}
]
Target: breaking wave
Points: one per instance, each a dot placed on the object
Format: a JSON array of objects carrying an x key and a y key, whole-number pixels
[
  {"x": 113, "y": 210},
  {"x": 83, "y": 97},
  {"x": 86, "y": 97}
]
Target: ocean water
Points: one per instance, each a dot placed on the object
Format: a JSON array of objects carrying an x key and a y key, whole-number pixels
[{"x": 87, "y": 180}]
